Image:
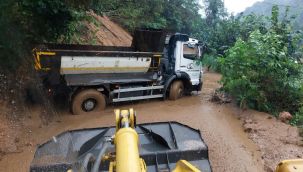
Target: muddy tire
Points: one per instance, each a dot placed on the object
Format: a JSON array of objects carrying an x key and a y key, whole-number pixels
[
  {"x": 88, "y": 102},
  {"x": 176, "y": 90}
]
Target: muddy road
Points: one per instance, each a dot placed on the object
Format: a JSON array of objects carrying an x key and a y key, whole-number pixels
[{"x": 221, "y": 126}]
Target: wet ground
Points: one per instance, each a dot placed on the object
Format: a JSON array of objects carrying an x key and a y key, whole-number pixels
[{"x": 231, "y": 149}]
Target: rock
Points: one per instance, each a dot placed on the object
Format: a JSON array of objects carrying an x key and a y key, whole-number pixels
[
  {"x": 220, "y": 97},
  {"x": 17, "y": 140},
  {"x": 248, "y": 130},
  {"x": 285, "y": 116},
  {"x": 29, "y": 144},
  {"x": 248, "y": 121}
]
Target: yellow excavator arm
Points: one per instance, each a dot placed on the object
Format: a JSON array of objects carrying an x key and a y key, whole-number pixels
[{"x": 127, "y": 142}]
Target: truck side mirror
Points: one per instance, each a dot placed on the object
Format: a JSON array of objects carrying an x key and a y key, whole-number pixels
[
  {"x": 202, "y": 49},
  {"x": 201, "y": 52}
]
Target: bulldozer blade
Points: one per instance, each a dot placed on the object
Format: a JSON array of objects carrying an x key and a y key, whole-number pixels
[{"x": 161, "y": 145}]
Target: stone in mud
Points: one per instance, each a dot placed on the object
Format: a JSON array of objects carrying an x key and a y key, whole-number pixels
[
  {"x": 285, "y": 116},
  {"x": 248, "y": 121},
  {"x": 220, "y": 97},
  {"x": 247, "y": 129}
]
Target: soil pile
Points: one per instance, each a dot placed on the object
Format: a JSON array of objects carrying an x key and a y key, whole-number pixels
[
  {"x": 100, "y": 30},
  {"x": 276, "y": 140},
  {"x": 11, "y": 113}
]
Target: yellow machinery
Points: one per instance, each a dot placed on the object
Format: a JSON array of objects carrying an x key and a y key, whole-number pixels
[
  {"x": 127, "y": 152},
  {"x": 126, "y": 142},
  {"x": 292, "y": 165},
  {"x": 127, "y": 147}
]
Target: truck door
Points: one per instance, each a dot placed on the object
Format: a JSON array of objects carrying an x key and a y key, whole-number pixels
[{"x": 188, "y": 62}]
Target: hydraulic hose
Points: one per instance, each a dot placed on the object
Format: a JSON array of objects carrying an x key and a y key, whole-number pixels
[
  {"x": 85, "y": 162},
  {"x": 97, "y": 163}
]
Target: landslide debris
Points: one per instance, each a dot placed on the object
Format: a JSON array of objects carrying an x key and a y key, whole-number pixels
[
  {"x": 100, "y": 30},
  {"x": 276, "y": 140},
  {"x": 220, "y": 97}
]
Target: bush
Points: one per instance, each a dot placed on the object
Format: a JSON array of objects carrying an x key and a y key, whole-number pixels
[
  {"x": 23, "y": 24},
  {"x": 297, "y": 118},
  {"x": 210, "y": 61},
  {"x": 260, "y": 74}
]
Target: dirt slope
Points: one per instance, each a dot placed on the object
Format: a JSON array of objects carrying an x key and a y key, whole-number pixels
[
  {"x": 276, "y": 140},
  {"x": 100, "y": 30}
]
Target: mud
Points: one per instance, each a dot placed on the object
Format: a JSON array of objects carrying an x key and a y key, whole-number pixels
[
  {"x": 100, "y": 30},
  {"x": 221, "y": 126},
  {"x": 276, "y": 140}
]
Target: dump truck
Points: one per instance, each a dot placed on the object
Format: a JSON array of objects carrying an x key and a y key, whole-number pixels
[
  {"x": 157, "y": 65},
  {"x": 126, "y": 147}
]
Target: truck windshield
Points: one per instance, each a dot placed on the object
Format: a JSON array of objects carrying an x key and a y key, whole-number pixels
[{"x": 190, "y": 51}]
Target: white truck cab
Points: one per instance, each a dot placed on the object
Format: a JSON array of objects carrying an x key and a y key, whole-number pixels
[
  {"x": 181, "y": 62},
  {"x": 189, "y": 53}
]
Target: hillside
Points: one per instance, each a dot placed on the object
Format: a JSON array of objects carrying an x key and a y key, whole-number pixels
[
  {"x": 264, "y": 8},
  {"x": 16, "y": 101},
  {"x": 100, "y": 30}
]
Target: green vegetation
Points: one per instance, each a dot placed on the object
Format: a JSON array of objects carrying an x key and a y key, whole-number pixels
[
  {"x": 260, "y": 60},
  {"x": 258, "y": 55},
  {"x": 263, "y": 73},
  {"x": 260, "y": 73},
  {"x": 26, "y": 23},
  {"x": 179, "y": 15}
]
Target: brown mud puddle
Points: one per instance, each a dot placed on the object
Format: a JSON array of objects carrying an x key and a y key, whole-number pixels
[{"x": 221, "y": 126}]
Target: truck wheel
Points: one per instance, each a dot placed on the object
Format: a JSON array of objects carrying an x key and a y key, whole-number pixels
[
  {"x": 88, "y": 102},
  {"x": 176, "y": 90}
]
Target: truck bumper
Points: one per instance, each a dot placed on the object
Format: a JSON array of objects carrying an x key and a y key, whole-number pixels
[{"x": 197, "y": 87}]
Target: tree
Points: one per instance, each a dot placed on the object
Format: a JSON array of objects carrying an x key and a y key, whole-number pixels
[
  {"x": 26, "y": 23},
  {"x": 214, "y": 11},
  {"x": 261, "y": 73},
  {"x": 176, "y": 16}
]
